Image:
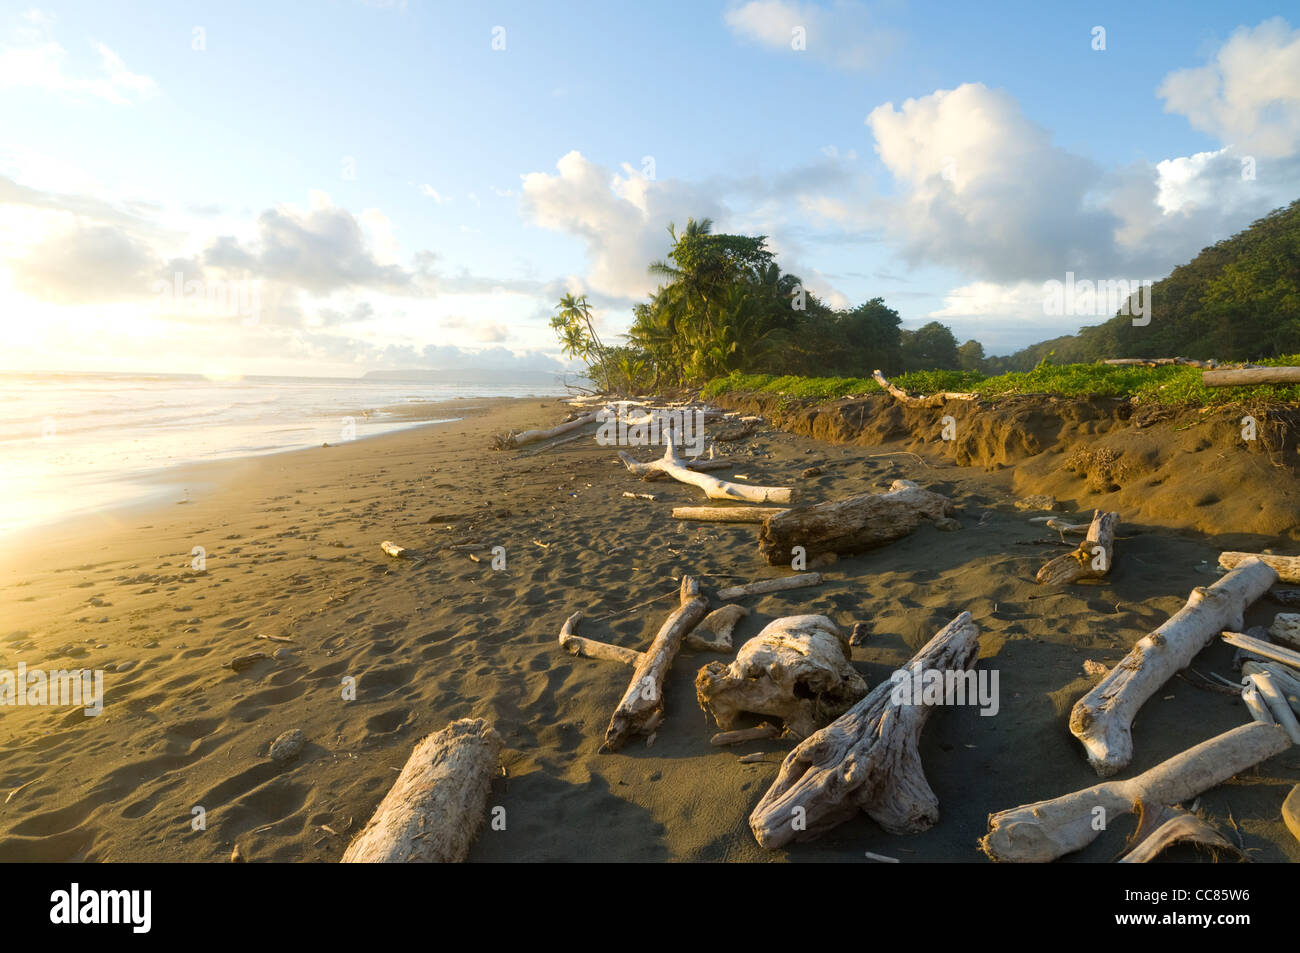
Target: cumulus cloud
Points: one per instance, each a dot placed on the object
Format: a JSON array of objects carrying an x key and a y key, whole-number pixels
[
  {"x": 1248, "y": 95},
  {"x": 622, "y": 218},
  {"x": 845, "y": 35},
  {"x": 34, "y": 59},
  {"x": 86, "y": 263}
]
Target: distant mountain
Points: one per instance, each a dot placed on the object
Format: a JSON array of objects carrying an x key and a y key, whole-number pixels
[{"x": 1238, "y": 300}]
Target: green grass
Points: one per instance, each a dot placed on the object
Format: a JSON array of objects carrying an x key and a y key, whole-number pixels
[{"x": 1169, "y": 385}]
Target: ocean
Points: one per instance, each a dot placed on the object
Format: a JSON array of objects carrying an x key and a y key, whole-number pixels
[{"x": 74, "y": 443}]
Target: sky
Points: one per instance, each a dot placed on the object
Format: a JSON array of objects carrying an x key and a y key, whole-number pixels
[{"x": 341, "y": 186}]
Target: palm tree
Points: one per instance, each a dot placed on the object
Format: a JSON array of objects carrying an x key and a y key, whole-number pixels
[{"x": 575, "y": 315}]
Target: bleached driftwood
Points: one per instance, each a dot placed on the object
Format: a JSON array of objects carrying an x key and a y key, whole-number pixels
[
  {"x": 1254, "y": 703},
  {"x": 1286, "y": 567},
  {"x": 671, "y": 464},
  {"x": 698, "y": 465},
  {"x": 1286, "y": 629},
  {"x": 401, "y": 552},
  {"x": 764, "y": 586},
  {"x": 640, "y": 496},
  {"x": 714, "y": 633},
  {"x": 575, "y": 644},
  {"x": 1287, "y": 680},
  {"x": 867, "y": 759},
  {"x": 1046, "y": 830},
  {"x": 741, "y": 735},
  {"x": 850, "y": 525},
  {"x": 434, "y": 809},
  {"x": 1277, "y": 704},
  {"x": 1161, "y": 826},
  {"x": 1263, "y": 649},
  {"x": 642, "y": 707},
  {"x": 1248, "y": 376},
  {"x": 513, "y": 441},
  {"x": 1091, "y": 560},
  {"x": 724, "y": 514},
  {"x": 796, "y": 669},
  {"x": 903, "y": 397},
  {"x": 1102, "y": 719}
]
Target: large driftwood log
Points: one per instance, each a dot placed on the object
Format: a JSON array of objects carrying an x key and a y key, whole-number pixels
[
  {"x": 867, "y": 759},
  {"x": 724, "y": 514},
  {"x": 850, "y": 525},
  {"x": 1248, "y": 376},
  {"x": 1161, "y": 826},
  {"x": 1091, "y": 560},
  {"x": 513, "y": 441},
  {"x": 764, "y": 586},
  {"x": 434, "y": 809},
  {"x": 714, "y": 633},
  {"x": 1046, "y": 830},
  {"x": 671, "y": 464},
  {"x": 575, "y": 644},
  {"x": 903, "y": 397},
  {"x": 1286, "y": 567},
  {"x": 642, "y": 707},
  {"x": 1103, "y": 719},
  {"x": 796, "y": 669}
]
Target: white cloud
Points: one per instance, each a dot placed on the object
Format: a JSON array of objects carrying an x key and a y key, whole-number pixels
[
  {"x": 1248, "y": 95},
  {"x": 844, "y": 35},
  {"x": 34, "y": 59},
  {"x": 430, "y": 192}
]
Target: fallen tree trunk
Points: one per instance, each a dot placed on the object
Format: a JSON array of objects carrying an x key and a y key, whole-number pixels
[
  {"x": 434, "y": 809},
  {"x": 867, "y": 759},
  {"x": 575, "y": 644},
  {"x": 850, "y": 525},
  {"x": 717, "y": 624},
  {"x": 903, "y": 397},
  {"x": 764, "y": 586},
  {"x": 698, "y": 466},
  {"x": 674, "y": 466},
  {"x": 796, "y": 669},
  {"x": 1091, "y": 560},
  {"x": 723, "y": 514},
  {"x": 1046, "y": 830},
  {"x": 642, "y": 707},
  {"x": 513, "y": 441},
  {"x": 1286, "y": 567},
  {"x": 1248, "y": 376},
  {"x": 1102, "y": 719}
]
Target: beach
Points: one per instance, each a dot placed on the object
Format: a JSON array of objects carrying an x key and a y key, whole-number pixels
[{"x": 288, "y": 548}]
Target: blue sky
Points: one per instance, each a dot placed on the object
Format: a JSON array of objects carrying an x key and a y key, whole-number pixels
[{"x": 402, "y": 193}]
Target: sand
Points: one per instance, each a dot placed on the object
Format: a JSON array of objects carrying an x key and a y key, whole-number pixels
[{"x": 292, "y": 550}]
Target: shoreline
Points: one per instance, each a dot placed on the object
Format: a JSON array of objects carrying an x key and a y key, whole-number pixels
[{"x": 292, "y": 553}]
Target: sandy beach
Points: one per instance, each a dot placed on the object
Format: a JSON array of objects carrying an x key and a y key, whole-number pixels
[{"x": 291, "y": 549}]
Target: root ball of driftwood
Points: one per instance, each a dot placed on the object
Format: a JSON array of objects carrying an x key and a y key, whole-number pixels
[{"x": 796, "y": 669}]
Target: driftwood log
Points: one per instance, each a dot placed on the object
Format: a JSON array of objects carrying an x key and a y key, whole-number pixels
[
  {"x": 1248, "y": 376},
  {"x": 673, "y": 465},
  {"x": 1046, "y": 830},
  {"x": 1286, "y": 629},
  {"x": 714, "y": 633},
  {"x": 761, "y": 733},
  {"x": 434, "y": 809},
  {"x": 796, "y": 669},
  {"x": 1286, "y": 567},
  {"x": 1161, "y": 826},
  {"x": 1103, "y": 719},
  {"x": 1262, "y": 649},
  {"x": 764, "y": 586},
  {"x": 1091, "y": 560},
  {"x": 575, "y": 644},
  {"x": 642, "y": 707},
  {"x": 867, "y": 759},
  {"x": 724, "y": 514},
  {"x": 1275, "y": 701},
  {"x": 513, "y": 441},
  {"x": 903, "y": 397},
  {"x": 1287, "y": 680},
  {"x": 850, "y": 525}
]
